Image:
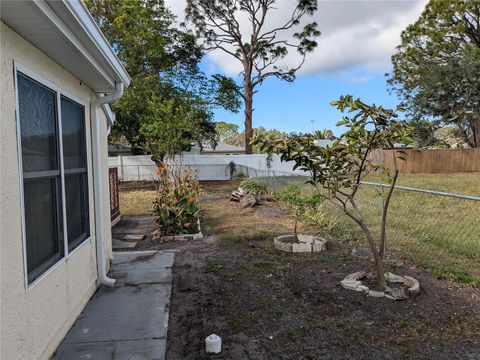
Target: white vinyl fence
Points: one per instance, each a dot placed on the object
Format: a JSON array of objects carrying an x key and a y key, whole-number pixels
[{"x": 210, "y": 167}]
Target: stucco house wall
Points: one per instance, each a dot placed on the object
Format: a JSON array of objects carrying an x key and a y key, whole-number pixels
[{"x": 34, "y": 320}]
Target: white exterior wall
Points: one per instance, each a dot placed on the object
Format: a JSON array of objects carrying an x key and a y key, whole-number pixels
[{"x": 34, "y": 321}]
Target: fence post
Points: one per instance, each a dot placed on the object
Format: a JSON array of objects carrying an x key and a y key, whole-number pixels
[
  {"x": 275, "y": 181},
  {"x": 382, "y": 209},
  {"x": 121, "y": 165},
  {"x": 138, "y": 172}
]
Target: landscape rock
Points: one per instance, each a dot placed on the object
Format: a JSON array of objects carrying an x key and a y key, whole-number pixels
[
  {"x": 350, "y": 284},
  {"x": 282, "y": 245},
  {"x": 356, "y": 275},
  {"x": 237, "y": 194},
  {"x": 319, "y": 244},
  {"x": 363, "y": 289},
  {"x": 390, "y": 277},
  {"x": 306, "y": 238},
  {"x": 376, "y": 294},
  {"x": 248, "y": 200},
  {"x": 397, "y": 293},
  {"x": 412, "y": 284}
]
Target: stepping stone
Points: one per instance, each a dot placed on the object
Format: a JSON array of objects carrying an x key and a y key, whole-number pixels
[
  {"x": 133, "y": 237},
  {"x": 119, "y": 244}
]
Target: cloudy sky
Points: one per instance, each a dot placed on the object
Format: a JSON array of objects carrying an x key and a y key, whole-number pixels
[{"x": 353, "y": 54}]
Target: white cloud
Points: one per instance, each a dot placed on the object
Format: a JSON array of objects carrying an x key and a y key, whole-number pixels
[
  {"x": 359, "y": 34},
  {"x": 360, "y": 79}
]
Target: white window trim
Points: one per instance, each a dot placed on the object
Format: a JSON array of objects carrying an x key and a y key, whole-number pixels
[{"x": 58, "y": 93}]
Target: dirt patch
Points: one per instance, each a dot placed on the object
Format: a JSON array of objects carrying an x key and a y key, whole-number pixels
[
  {"x": 270, "y": 209},
  {"x": 266, "y": 304}
]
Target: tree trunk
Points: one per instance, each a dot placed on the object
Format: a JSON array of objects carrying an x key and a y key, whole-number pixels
[
  {"x": 248, "y": 116},
  {"x": 476, "y": 133},
  {"x": 377, "y": 256},
  {"x": 381, "y": 282}
]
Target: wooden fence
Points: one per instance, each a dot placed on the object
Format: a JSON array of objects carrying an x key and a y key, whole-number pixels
[{"x": 431, "y": 161}]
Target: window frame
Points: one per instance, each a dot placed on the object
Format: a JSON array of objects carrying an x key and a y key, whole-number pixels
[
  {"x": 59, "y": 93},
  {"x": 83, "y": 171}
]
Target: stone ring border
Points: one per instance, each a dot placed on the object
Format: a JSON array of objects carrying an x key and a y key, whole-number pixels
[
  {"x": 305, "y": 244},
  {"x": 352, "y": 282}
]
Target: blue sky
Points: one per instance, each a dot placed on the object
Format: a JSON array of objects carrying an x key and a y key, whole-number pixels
[
  {"x": 353, "y": 54},
  {"x": 303, "y": 106}
]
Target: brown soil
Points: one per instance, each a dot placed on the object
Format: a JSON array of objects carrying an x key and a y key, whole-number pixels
[{"x": 266, "y": 304}]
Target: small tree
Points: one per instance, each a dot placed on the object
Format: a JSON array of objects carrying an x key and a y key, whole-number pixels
[
  {"x": 173, "y": 126},
  {"x": 261, "y": 48},
  {"x": 337, "y": 170}
]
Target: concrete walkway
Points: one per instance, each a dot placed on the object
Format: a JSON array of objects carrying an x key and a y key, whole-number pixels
[{"x": 129, "y": 321}]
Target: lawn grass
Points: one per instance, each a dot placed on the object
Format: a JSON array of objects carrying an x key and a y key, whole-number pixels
[
  {"x": 440, "y": 233},
  {"x": 136, "y": 202}
]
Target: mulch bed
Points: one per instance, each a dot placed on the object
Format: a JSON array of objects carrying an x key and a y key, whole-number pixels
[{"x": 271, "y": 305}]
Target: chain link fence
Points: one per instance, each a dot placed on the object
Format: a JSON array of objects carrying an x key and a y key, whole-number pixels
[{"x": 439, "y": 230}]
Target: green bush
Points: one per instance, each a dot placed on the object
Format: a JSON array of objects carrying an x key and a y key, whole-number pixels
[
  {"x": 293, "y": 195},
  {"x": 290, "y": 194},
  {"x": 307, "y": 206},
  {"x": 254, "y": 186}
]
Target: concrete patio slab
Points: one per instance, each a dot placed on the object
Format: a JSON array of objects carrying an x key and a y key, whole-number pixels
[
  {"x": 138, "y": 277},
  {"x": 130, "y": 320},
  {"x": 118, "y": 350},
  {"x": 123, "y": 313},
  {"x": 142, "y": 260}
]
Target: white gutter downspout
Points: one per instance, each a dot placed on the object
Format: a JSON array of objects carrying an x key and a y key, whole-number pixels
[
  {"x": 99, "y": 138},
  {"x": 110, "y": 120}
]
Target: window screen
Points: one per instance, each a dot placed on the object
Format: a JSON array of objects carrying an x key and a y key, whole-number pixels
[
  {"x": 41, "y": 176},
  {"x": 75, "y": 163}
]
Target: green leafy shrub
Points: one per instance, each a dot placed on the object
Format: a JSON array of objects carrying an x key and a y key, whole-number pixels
[
  {"x": 176, "y": 206},
  {"x": 254, "y": 187},
  {"x": 293, "y": 195},
  {"x": 306, "y": 206},
  {"x": 320, "y": 218},
  {"x": 290, "y": 194}
]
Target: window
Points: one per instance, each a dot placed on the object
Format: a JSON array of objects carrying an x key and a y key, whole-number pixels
[
  {"x": 51, "y": 192},
  {"x": 75, "y": 169}
]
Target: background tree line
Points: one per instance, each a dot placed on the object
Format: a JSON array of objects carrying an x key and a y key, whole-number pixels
[
  {"x": 436, "y": 73},
  {"x": 169, "y": 105}
]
